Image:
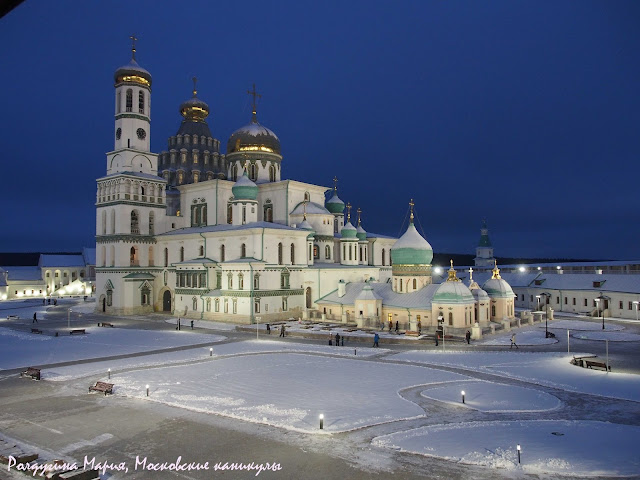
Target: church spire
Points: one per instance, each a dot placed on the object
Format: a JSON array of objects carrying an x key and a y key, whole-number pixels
[
  {"x": 411, "y": 205},
  {"x": 496, "y": 271},
  {"x": 133, "y": 46},
  {"x": 452, "y": 274},
  {"x": 254, "y": 108}
]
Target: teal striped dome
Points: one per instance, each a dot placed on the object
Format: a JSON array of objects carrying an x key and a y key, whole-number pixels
[
  {"x": 348, "y": 231},
  {"x": 334, "y": 204},
  {"x": 411, "y": 249}
]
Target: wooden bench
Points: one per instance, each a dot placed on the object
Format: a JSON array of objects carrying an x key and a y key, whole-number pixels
[
  {"x": 103, "y": 387},
  {"x": 79, "y": 331},
  {"x": 36, "y": 330},
  {"x": 31, "y": 372},
  {"x": 580, "y": 360},
  {"x": 105, "y": 324},
  {"x": 412, "y": 333},
  {"x": 13, "y": 317},
  {"x": 591, "y": 364},
  {"x": 551, "y": 335}
]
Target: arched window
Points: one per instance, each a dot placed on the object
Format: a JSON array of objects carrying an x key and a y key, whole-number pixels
[
  {"x": 151, "y": 263},
  {"x": 216, "y": 304},
  {"x": 293, "y": 254},
  {"x": 240, "y": 281},
  {"x": 450, "y": 318},
  {"x": 316, "y": 251},
  {"x": 253, "y": 171},
  {"x": 234, "y": 173},
  {"x": 119, "y": 103},
  {"x": 104, "y": 222},
  {"x": 256, "y": 282},
  {"x": 306, "y": 196},
  {"x": 204, "y": 215},
  {"x": 113, "y": 255},
  {"x": 202, "y": 250},
  {"x": 400, "y": 284},
  {"x": 113, "y": 221},
  {"x": 327, "y": 252},
  {"x": 129, "y": 100},
  {"x": 135, "y": 228},
  {"x": 280, "y": 254},
  {"x": 229, "y": 214},
  {"x": 415, "y": 284},
  {"x": 243, "y": 251},
  {"x": 141, "y": 102},
  {"x": 350, "y": 253},
  {"x": 222, "y": 253},
  {"x": 133, "y": 257},
  {"x": 166, "y": 257},
  {"x": 151, "y": 223},
  {"x": 208, "y": 304},
  {"x": 182, "y": 254},
  {"x": 104, "y": 256},
  {"x": 195, "y": 304},
  {"x": 272, "y": 173},
  {"x": 268, "y": 211},
  {"x": 493, "y": 310},
  {"x": 230, "y": 281},
  {"x": 360, "y": 253}
]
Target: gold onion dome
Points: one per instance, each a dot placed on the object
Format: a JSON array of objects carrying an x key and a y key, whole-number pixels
[
  {"x": 194, "y": 109},
  {"x": 132, "y": 72},
  {"x": 253, "y": 138}
]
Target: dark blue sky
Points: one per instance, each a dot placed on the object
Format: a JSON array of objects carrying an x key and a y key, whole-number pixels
[{"x": 523, "y": 112}]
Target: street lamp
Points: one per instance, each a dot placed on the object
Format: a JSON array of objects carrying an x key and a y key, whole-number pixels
[
  {"x": 598, "y": 310},
  {"x": 538, "y": 297},
  {"x": 546, "y": 317},
  {"x": 636, "y": 304}
]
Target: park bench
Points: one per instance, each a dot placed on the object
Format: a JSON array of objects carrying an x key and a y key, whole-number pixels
[
  {"x": 551, "y": 335},
  {"x": 19, "y": 457},
  {"x": 591, "y": 364},
  {"x": 351, "y": 330},
  {"x": 36, "y": 330},
  {"x": 103, "y": 387},
  {"x": 79, "y": 331},
  {"x": 105, "y": 324},
  {"x": 412, "y": 333},
  {"x": 31, "y": 372},
  {"x": 580, "y": 360},
  {"x": 13, "y": 317}
]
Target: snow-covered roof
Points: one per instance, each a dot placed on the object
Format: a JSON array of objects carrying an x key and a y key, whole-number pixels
[
  {"x": 148, "y": 176},
  {"x": 335, "y": 199},
  {"x": 227, "y": 228},
  {"x": 23, "y": 273},
  {"x": 312, "y": 209},
  {"x": 51, "y": 261},
  {"x": 412, "y": 239},
  {"x": 89, "y": 255},
  {"x": 139, "y": 276},
  {"x": 195, "y": 261},
  {"x": 418, "y": 299},
  {"x": 367, "y": 293},
  {"x": 244, "y": 260}
]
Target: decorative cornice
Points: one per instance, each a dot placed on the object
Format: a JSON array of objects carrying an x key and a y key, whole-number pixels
[
  {"x": 192, "y": 291},
  {"x": 133, "y": 115},
  {"x": 128, "y": 202},
  {"x": 107, "y": 270},
  {"x": 262, "y": 293},
  {"x": 127, "y": 238}
]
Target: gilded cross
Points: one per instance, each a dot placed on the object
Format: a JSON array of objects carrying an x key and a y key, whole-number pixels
[
  {"x": 348, "y": 211},
  {"x": 451, "y": 261},
  {"x": 470, "y": 273},
  {"x": 359, "y": 212},
  {"x": 195, "y": 81},
  {"x": 304, "y": 209},
  {"x": 335, "y": 184},
  {"x": 254, "y": 94},
  {"x": 133, "y": 46},
  {"x": 411, "y": 205}
]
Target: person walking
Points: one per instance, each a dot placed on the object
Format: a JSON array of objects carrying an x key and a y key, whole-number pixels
[
  {"x": 268, "y": 329},
  {"x": 337, "y": 339},
  {"x": 282, "y": 331},
  {"x": 419, "y": 327},
  {"x": 468, "y": 337},
  {"x": 390, "y": 326},
  {"x": 437, "y": 338},
  {"x": 191, "y": 324},
  {"x": 513, "y": 341},
  {"x": 35, "y": 319},
  {"x": 376, "y": 339},
  {"x": 330, "y": 339},
  {"x": 397, "y": 326}
]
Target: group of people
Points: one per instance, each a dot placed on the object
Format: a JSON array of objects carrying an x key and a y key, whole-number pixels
[
  {"x": 338, "y": 339},
  {"x": 283, "y": 331},
  {"x": 48, "y": 301}
]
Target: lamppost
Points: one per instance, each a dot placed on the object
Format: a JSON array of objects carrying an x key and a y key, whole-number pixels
[
  {"x": 598, "y": 310},
  {"x": 636, "y": 304},
  {"x": 538, "y": 297},
  {"x": 546, "y": 316}
]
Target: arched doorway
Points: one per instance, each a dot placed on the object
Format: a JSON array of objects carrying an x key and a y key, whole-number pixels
[
  {"x": 166, "y": 301},
  {"x": 104, "y": 304},
  {"x": 308, "y": 295}
]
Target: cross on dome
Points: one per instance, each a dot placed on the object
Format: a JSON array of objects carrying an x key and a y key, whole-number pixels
[
  {"x": 348, "y": 212},
  {"x": 254, "y": 94},
  {"x": 496, "y": 271},
  {"x": 470, "y": 274},
  {"x": 411, "y": 205},
  {"x": 133, "y": 46},
  {"x": 335, "y": 184},
  {"x": 195, "y": 81},
  {"x": 304, "y": 210},
  {"x": 359, "y": 212},
  {"x": 452, "y": 274}
]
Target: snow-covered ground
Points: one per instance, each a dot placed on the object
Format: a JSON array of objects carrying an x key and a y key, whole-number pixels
[
  {"x": 195, "y": 354},
  {"x": 526, "y": 337},
  {"x": 611, "y": 336},
  {"x": 547, "y": 446},
  {"x": 581, "y": 325},
  {"x": 494, "y": 397},
  {"x": 19, "y": 349},
  {"x": 550, "y": 369},
  {"x": 288, "y": 390}
]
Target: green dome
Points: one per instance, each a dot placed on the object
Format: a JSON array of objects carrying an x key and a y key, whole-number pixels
[
  {"x": 361, "y": 233},
  {"x": 348, "y": 231},
  {"x": 411, "y": 249},
  {"x": 453, "y": 292},
  {"x": 244, "y": 188},
  {"x": 334, "y": 204}
]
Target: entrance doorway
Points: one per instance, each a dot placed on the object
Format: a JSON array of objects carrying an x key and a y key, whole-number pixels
[
  {"x": 104, "y": 305},
  {"x": 166, "y": 301}
]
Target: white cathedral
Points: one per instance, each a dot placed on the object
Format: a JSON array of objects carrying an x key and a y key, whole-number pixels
[{"x": 206, "y": 235}]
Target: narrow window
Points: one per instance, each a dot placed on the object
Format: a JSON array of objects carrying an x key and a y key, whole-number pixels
[
  {"x": 201, "y": 250},
  {"x": 243, "y": 251},
  {"x": 256, "y": 282},
  {"x": 151, "y": 263},
  {"x": 135, "y": 229},
  {"x": 182, "y": 254},
  {"x": 272, "y": 173},
  {"x": 151, "y": 223},
  {"x": 129, "y": 100},
  {"x": 141, "y": 102},
  {"x": 383, "y": 260},
  {"x": 415, "y": 284},
  {"x": 222, "y": 253},
  {"x": 280, "y": 254},
  {"x": 293, "y": 254},
  {"x": 166, "y": 257}
]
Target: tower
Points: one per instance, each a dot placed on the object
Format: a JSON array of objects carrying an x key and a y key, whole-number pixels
[
  {"x": 411, "y": 259},
  {"x": 130, "y": 201},
  {"x": 336, "y": 207},
  {"x": 484, "y": 250},
  {"x": 349, "y": 242}
]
